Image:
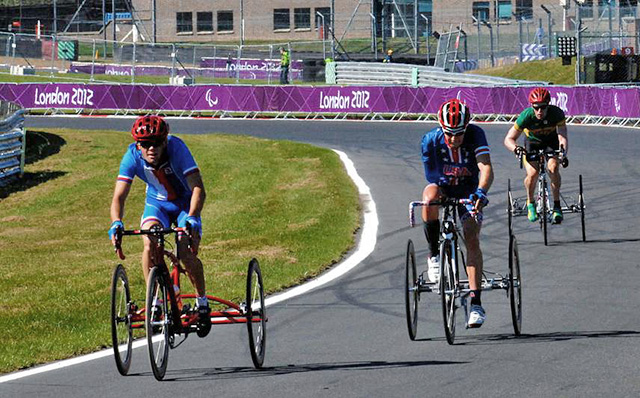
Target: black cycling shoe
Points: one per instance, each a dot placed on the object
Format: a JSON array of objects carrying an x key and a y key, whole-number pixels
[{"x": 204, "y": 321}]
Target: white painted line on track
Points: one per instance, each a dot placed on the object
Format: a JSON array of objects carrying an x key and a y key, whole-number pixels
[{"x": 365, "y": 246}]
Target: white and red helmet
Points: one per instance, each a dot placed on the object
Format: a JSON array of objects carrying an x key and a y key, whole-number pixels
[{"x": 454, "y": 117}]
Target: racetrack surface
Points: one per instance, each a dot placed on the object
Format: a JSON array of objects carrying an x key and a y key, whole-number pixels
[{"x": 581, "y": 329}]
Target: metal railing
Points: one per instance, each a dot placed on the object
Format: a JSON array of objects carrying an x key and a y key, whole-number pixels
[
  {"x": 12, "y": 144},
  {"x": 68, "y": 58},
  {"x": 371, "y": 73}
]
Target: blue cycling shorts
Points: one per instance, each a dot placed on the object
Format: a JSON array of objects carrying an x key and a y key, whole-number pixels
[{"x": 166, "y": 213}]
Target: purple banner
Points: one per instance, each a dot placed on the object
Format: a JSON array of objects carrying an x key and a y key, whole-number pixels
[
  {"x": 595, "y": 101},
  {"x": 250, "y": 69},
  {"x": 258, "y": 68}
]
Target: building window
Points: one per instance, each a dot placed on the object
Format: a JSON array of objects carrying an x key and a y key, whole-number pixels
[
  {"x": 524, "y": 9},
  {"x": 586, "y": 9},
  {"x": 326, "y": 13},
  {"x": 205, "y": 21},
  {"x": 225, "y": 21},
  {"x": 425, "y": 9},
  {"x": 281, "y": 19},
  {"x": 302, "y": 18},
  {"x": 628, "y": 8},
  {"x": 184, "y": 22},
  {"x": 603, "y": 8},
  {"x": 504, "y": 9},
  {"x": 481, "y": 10}
]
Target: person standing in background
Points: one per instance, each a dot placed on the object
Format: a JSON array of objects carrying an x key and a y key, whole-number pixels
[{"x": 284, "y": 66}]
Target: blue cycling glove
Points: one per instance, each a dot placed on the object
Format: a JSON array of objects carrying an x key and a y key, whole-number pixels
[
  {"x": 481, "y": 195},
  {"x": 196, "y": 224},
  {"x": 114, "y": 227},
  {"x": 443, "y": 181}
]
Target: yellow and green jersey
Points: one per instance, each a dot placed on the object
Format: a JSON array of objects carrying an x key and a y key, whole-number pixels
[
  {"x": 284, "y": 58},
  {"x": 539, "y": 130}
]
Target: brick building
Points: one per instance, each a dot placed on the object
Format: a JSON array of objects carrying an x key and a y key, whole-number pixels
[{"x": 285, "y": 20}]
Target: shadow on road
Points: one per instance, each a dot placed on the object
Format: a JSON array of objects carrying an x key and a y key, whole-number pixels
[
  {"x": 244, "y": 372},
  {"x": 544, "y": 337}
]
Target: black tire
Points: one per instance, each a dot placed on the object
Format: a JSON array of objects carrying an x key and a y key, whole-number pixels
[
  {"x": 545, "y": 210},
  {"x": 157, "y": 323},
  {"x": 448, "y": 286},
  {"x": 509, "y": 206},
  {"x": 256, "y": 314},
  {"x": 515, "y": 286},
  {"x": 581, "y": 204},
  {"x": 121, "y": 331},
  {"x": 411, "y": 291}
]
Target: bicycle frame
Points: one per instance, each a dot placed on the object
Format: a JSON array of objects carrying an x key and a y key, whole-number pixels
[
  {"x": 449, "y": 231},
  {"x": 449, "y": 285},
  {"x": 165, "y": 315},
  {"x": 182, "y": 316}
]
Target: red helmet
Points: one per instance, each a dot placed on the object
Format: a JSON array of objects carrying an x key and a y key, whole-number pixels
[
  {"x": 149, "y": 128},
  {"x": 454, "y": 117},
  {"x": 539, "y": 95}
]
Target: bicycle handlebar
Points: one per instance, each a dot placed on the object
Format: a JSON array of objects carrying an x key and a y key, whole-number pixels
[
  {"x": 151, "y": 231},
  {"x": 442, "y": 202},
  {"x": 547, "y": 153}
]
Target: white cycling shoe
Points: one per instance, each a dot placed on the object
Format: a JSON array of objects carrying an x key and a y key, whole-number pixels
[
  {"x": 477, "y": 316},
  {"x": 433, "y": 268}
]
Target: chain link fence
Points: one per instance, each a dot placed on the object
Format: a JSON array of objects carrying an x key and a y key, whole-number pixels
[
  {"x": 465, "y": 37},
  {"x": 96, "y": 60}
]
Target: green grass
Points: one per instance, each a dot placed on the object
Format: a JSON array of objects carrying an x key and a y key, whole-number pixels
[
  {"x": 551, "y": 71},
  {"x": 290, "y": 205},
  {"x": 139, "y": 79}
]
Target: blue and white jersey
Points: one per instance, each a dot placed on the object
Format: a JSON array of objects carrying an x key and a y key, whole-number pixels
[
  {"x": 453, "y": 167},
  {"x": 167, "y": 182}
]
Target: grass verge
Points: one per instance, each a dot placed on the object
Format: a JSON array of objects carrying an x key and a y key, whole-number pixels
[
  {"x": 551, "y": 71},
  {"x": 290, "y": 205},
  {"x": 77, "y": 78}
]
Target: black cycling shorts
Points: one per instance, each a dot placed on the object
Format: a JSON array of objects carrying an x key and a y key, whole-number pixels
[{"x": 549, "y": 142}]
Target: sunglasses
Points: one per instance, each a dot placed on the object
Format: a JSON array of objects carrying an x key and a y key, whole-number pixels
[
  {"x": 149, "y": 144},
  {"x": 449, "y": 134},
  {"x": 539, "y": 106}
]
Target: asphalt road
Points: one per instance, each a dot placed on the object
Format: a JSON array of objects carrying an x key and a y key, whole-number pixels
[{"x": 581, "y": 328}]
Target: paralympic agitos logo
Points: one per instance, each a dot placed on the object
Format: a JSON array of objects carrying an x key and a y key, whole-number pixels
[
  {"x": 561, "y": 100},
  {"x": 211, "y": 101}
]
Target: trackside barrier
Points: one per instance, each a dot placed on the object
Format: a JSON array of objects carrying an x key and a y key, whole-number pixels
[
  {"x": 12, "y": 147},
  {"x": 372, "y": 73},
  {"x": 594, "y": 102}
]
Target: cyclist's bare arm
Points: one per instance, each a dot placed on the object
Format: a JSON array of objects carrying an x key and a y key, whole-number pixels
[
  {"x": 511, "y": 138},
  {"x": 486, "y": 172},
  {"x": 198, "y": 194},
  {"x": 562, "y": 138},
  {"x": 120, "y": 194}
]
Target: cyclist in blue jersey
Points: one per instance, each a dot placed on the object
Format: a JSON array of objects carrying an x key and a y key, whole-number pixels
[
  {"x": 457, "y": 164},
  {"x": 175, "y": 194}
]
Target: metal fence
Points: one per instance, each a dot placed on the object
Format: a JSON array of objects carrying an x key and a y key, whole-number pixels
[
  {"x": 12, "y": 145},
  {"x": 367, "y": 73},
  {"x": 95, "y": 60},
  {"x": 464, "y": 40}
]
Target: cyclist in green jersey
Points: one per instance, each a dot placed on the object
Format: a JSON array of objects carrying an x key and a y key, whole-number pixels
[{"x": 544, "y": 126}]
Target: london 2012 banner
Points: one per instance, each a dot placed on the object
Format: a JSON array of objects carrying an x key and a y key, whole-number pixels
[{"x": 583, "y": 100}]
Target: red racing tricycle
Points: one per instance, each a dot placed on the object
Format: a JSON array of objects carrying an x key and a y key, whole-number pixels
[{"x": 167, "y": 315}]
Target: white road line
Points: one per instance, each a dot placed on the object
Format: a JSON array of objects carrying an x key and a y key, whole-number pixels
[{"x": 364, "y": 247}]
